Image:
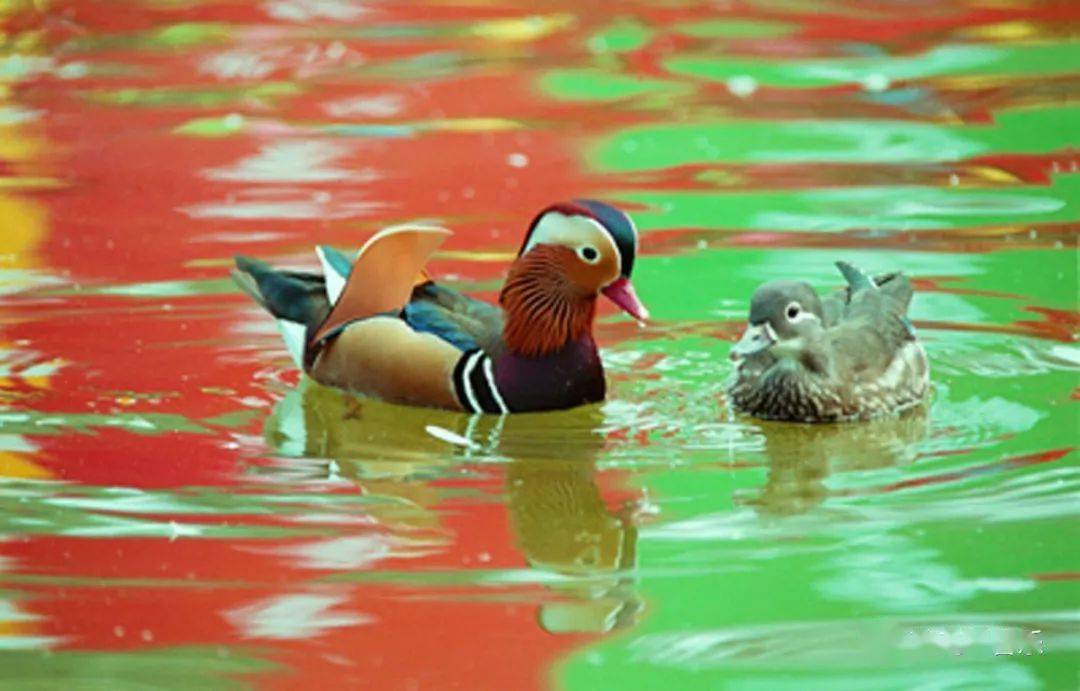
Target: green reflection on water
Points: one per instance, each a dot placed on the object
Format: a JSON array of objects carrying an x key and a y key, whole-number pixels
[
  {"x": 619, "y": 37},
  {"x": 882, "y": 208},
  {"x": 872, "y": 141},
  {"x": 160, "y": 668},
  {"x": 889, "y": 555},
  {"x": 171, "y": 96},
  {"x": 987, "y": 289},
  {"x": 604, "y": 85},
  {"x": 41, "y": 423},
  {"x": 1043, "y": 59}
]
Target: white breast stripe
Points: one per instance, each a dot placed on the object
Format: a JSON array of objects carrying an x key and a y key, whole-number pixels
[
  {"x": 490, "y": 375},
  {"x": 470, "y": 365}
]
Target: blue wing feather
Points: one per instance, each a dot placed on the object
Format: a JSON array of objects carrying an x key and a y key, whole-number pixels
[{"x": 427, "y": 317}]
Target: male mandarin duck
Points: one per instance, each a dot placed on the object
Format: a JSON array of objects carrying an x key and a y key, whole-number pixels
[
  {"x": 372, "y": 327},
  {"x": 853, "y": 356}
]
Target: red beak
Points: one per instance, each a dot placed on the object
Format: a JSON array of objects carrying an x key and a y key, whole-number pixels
[{"x": 621, "y": 292}]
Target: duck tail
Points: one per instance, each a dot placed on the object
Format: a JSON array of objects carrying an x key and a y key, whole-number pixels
[
  {"x": 291, "y": 295},
  {"x": 242, "y": 277},
  {"x": 857, "y": 279},
  {"x": 296, "y": 299}
]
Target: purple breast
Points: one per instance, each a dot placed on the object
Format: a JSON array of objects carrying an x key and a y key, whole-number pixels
[{"x": 567, "y": 378}]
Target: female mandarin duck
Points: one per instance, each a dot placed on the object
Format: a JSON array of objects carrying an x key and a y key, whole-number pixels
[
  {"x": 853, "y": 356},
  {"x": 372, "y": 327}
]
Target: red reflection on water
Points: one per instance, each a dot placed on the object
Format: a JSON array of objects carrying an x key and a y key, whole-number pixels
[{"x": 137, "y": 204}]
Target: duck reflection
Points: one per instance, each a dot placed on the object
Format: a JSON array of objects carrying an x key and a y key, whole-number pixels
[
  {"x": 557, "y": 513},
  {"x": 562, "y": 523},
  {"x": 323, "y": 434},
  {"x": 801, "y": 457}
]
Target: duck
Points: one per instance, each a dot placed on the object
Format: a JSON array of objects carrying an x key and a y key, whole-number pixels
[
  {"x": 850, "y": 357},
  {"x": 379, "y": 326}
]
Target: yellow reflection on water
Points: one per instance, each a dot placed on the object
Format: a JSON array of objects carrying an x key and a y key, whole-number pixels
[{"x": 25, "y": 224}]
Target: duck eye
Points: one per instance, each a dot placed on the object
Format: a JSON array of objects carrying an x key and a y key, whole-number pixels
[
  {"x": 589, "y": 254},
  {"x": 792, "y": 311}
]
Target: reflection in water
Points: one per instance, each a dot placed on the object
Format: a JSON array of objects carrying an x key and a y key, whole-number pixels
[
  {"x": 292, "y": 617},
  {"x": 801, "y": 457},
  {"x": 557, "y": 512},
  {"x": 563, "y": 525}
]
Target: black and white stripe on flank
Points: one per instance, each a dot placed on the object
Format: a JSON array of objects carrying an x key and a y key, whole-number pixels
[{"x": 474, "y": 384}]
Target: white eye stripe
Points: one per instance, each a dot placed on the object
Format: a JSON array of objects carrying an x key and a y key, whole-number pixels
[
  {"x": 568, "y": 229},
  {"x": 607, "y": 234}
]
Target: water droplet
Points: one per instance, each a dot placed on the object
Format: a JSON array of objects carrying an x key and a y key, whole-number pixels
[
  {"x": 336, "y": 50},
  {"x": 876, "y": 82},
  {"x": 742, "y": 86},
  {"x": 517, "y": 160},
  {"x": 74, "y": 70}
]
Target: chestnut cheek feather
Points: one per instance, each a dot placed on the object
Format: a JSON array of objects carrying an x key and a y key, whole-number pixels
[{"x": 545, "y": 306}]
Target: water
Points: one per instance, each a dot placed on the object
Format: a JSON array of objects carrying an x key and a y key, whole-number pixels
[{"x": 179, "y": 509}]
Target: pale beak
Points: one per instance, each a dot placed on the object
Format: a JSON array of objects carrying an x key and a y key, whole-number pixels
[
  {"x": 756, "y": 338},
  {"x": 621, "y": 292}
]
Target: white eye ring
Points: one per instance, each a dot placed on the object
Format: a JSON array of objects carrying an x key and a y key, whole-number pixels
[
  {"x": 588, "y": 254},
  {"x": 792, "y": 311}
]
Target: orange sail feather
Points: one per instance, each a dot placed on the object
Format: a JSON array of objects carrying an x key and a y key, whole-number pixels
[{"x": 384, "y": 274}]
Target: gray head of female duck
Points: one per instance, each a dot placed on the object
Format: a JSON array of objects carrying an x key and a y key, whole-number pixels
[{"x": 780, "y": 312}]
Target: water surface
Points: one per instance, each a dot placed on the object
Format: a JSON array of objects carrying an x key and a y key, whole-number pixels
[{"x": 179, "y": 508}]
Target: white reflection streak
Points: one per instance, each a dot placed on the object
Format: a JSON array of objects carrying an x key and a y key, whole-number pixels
[
  {"x": 355, "y": 552},
  {"x": 282, "y": 204},
  {"x": 241, "y": 64},
  {"x": 342, "y": 553},
  {"x": 306, "y": 10},
  {"x": 867, "y": 647},
  {"x": 298, "y": 160},
  {"x": 293, "y": 617},
  {"x": 382, "y": 106}
]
